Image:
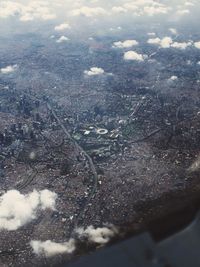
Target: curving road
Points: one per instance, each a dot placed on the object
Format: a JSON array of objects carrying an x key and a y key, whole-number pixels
[{"x": 88, "y": 158}]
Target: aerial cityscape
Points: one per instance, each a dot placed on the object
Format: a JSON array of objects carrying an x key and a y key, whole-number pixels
[{"x": 99, "y": 122}]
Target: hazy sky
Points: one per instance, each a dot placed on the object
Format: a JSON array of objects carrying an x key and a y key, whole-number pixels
[{"x": 74, "y": 15}]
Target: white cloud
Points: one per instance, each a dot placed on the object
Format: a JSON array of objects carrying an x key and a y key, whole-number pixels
[
  {"x": 125, "y": 44},
  {"x": 47, "y": 199},
  {"x": 89, "y": 11},
  {"x": 8, "y": 69},
  {"x": 167, "y": 42},
  {"x": 151, "y": 33},
  {"x": 27, "y": 17},
  {"x": 62, "y": 39},
  {"x": 131, "y": 6},
  {"x": 49, "y": 248},
  {"x": 119, "y": 28},
  {"x": 97, "y": 235},
  {"x": 132, "y": 55},
  {"x": 94, "y": 71},
  {"x": 173, "y": 31},
  {"x": 9, "y": 8},
  {"x": 17, "y": 209},
  {"x": 142, "y": 7},
  {"x": 119, "y": 9},
  {"x": 189, "y": 4},
  {"x": 156, "y": 41},
  {"x": 183, "y": 12},
  {"x": 197, "y": 44},
  {"x": 28, "y": 11},
  {"x": 155, "y": 10},
  {"x": 164, "y": 42},
  {"x": 183, "y": 45},
  {"x": 45, "y": 9},
  {"x": 62, "y": 27},
  {"x": 173, "y": 78}
]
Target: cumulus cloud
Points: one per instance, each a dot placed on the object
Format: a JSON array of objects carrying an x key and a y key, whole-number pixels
[
  {"x": 45, "y": 9},
  {"x": 182, "y": 45},
  {"x": 189, "y": 3},
  {"x": 119, "y": 9},
  {"x": 119, "y": 28},
  {"x": 94, "y": 71},
  {"x": 28, "y": 11},
  {"x": 167, "y": 42},
  {"x": 9, "y": 8},
  {"x": 100, "y": 235},
  {"x": 156, "y": 41},
  {"x": 173, "y": 31},
  {"x": 157, "y": 9},
  {"x": 182, "y": 12},
  {"x": 151, "y": 33},
  {"x": 47, "y": 199},
  {"x": 142, "y": 7},
  {"x": 89, "y": 11},
  {"x": 132, "y": 55},
  {"x": 125, "y": 44},
  {"x": 17, "y": 209},
  {"x": 173, "y": 78},
  {"x": 8, "y": 69},
  {"x": 197, "y": 44},
  {"x": 62, "y": 27},
  {"x": 62, "y": 39},
  {"x": 49, "y": 248},
  {"x": 164, "y": 42},
  {"x": 132, "y": 6}
]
